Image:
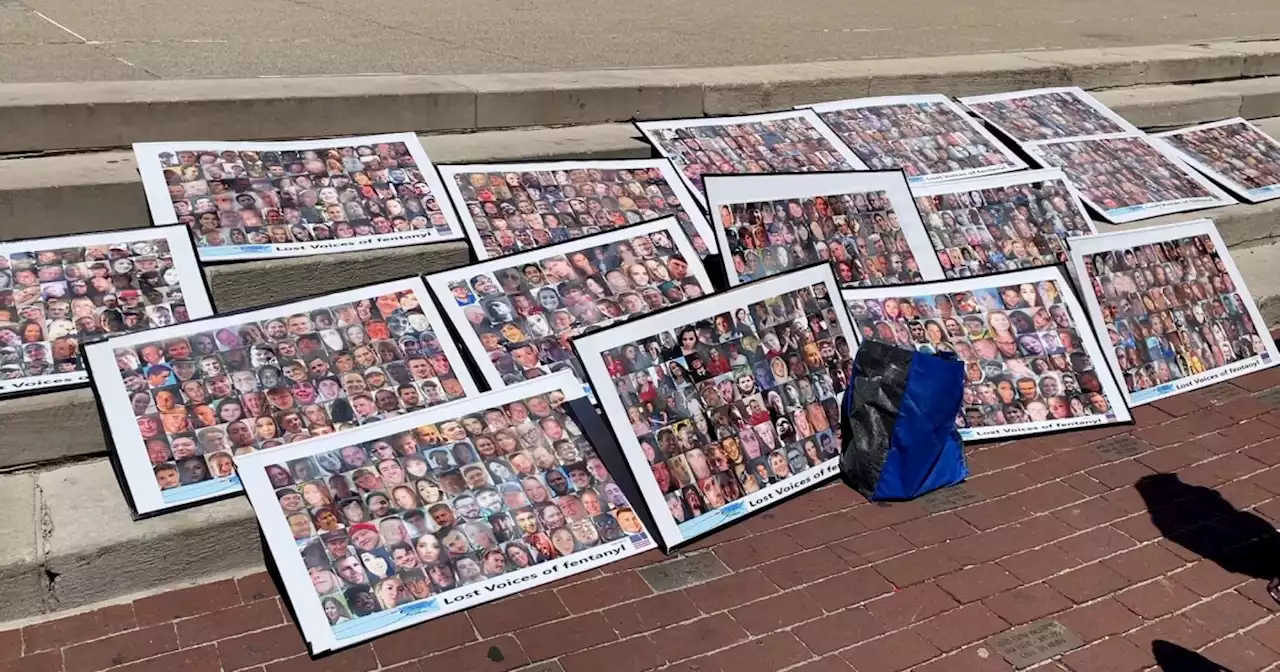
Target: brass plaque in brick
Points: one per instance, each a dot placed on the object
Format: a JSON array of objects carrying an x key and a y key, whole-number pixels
[{"x": 1036, "y": 642}]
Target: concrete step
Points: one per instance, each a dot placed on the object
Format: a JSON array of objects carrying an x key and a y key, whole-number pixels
[{"x": 40, "y": 117}]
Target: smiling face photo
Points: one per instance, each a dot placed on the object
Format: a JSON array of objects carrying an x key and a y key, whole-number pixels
[
  {"x": 518, "y": 208},
  {"x": 725, "y": 407},
  {"x": 1024, "y": 358}
]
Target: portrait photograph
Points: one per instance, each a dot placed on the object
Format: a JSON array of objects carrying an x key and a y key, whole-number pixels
[
  {"x": 727, "y": 404},
  {"x": 1031, "y": 362},
  {"x": 1059, "y": 113},
  {"x": 264, "y": 200},
  {"x": 438, "y": 511},
  {"x": 778, "y": 142},
  {"x": 929, "y": 137},
  {"x": 181, "y": 401},
  {"x": 58, "y": 294},
  {"x": 1127, "y": 178},
  {"x": 1176, "y": 313},
  {"x": 516, "y": 315},
  {"x": 1003, "y": 222},
  {"x": 865, "y": 224},
  {"x": 518, "y": 207},
  {"x": 1234, "y": 153}
]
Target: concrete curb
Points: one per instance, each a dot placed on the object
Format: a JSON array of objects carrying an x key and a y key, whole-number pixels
[{"x": 39, "y": 117}]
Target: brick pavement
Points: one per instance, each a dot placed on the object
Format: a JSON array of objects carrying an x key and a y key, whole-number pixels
[{"x": 1056, "y": 527}]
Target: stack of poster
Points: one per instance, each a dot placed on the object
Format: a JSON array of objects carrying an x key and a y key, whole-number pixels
[
  {"x": 57, "y": 294},
  {"x": 517, "y": 314},
  {"x": 1032, "y": 363},
  {"x": 928, "y": 137},
  {"x": 727, "y": 404},
  {"x": 1003, "y": 222},
  {"x": 1234, "y": 152},
  {"x": 440, "y": 510},
  {"x": 179, "y": 401},
  {"x": 517, "y": 207},
  {"x": 779, "y": 142},
  {"x": 1117, "y": 169},
  {"x": 261, "y": 200},
  {"x": 864, "y": 223},
  {"x": 1176, "y": 313}
]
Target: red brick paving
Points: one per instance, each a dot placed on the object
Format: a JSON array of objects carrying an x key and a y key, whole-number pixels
[{"x": 824, "y": 583}]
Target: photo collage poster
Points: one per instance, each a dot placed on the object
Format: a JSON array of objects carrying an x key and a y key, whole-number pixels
[
  {"x": 1032, "y": 363},
  {"x": 1234, "y": 152},
  {"x": 1003, "y": 222},
  {"x": 864, "y": 223},
  {"x": 437, "y": 511},
  {"x": 179, "y": 401},
  {"x": 1176, "y": 313},
  {"x": 516, "y": 315},
  {"x": 1059, "y": 113},
  {"x": 58, "y": 294},
  {"x": 518, "y": 207},
  {"x": 727, "y": 404},
  {"x": 264, "y": 200},
  {"x": 928, "y": 137},
  {"x": 778, "y": 142}
]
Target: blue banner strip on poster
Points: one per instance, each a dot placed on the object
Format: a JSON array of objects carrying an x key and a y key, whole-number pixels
[
  {"x": 186, "y": 493},
  {"x": 231, "y": 250},
  {"x": 710, "y": 521}
]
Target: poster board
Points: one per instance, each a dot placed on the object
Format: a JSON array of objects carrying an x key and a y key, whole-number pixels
[
  {"x": 1032, "y": 364},
  {"x": 1057, "y": 113},
  {"x": 1234, "y": 153},
  {"x": 865, "y": 223},
  {"x": 1190, "y": 324},
  {"x": 1126, "y": 178},
  {"x": 739, "y": 410},
  {"x": 59, "y": 293},
  {"x": 928, "y": 137},
  {"x": 778, "y": 142},
  {"x": 515, "y": 315},
  {"x": 517, "y": 207},
  {"x": 421, "y": 516},
  {"x": 178, "y": 401},
  {"x": 1002, "y": 222},
  {"x": 266, "y": 200}
]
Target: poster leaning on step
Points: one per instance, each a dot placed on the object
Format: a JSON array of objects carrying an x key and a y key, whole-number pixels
[{"x": 440, "y": 510}]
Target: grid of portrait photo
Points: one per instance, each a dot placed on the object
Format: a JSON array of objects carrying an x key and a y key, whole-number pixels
[
  {"x": 58, "y": 293},
  {"x": 1234, "y": 152},
  {"x": 781, "y": 142},
  {"x": 1175, "y": 311},
  {"x": 1002, "y": 223},
  {"x": 864, "y": 223},
  {"x": 1031, "y": 362},
  {"x": 246, "y": 200},
  {"x": 1127, "y": 178},
  {"x": 1048, "y": 114},
  {"x": 514, "y": 208},
  {"x": 518, "y": 314},
  {"x": 197, "y": 394},
  {"x": 721, "y": 408},
  {"x": 928, "y": 137},
  {"x": 441, "y": 508}
]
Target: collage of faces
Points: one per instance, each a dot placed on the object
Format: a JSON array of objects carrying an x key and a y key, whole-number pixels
[
  {"x": 728, "y": 406},
  {"x": 388, "y": 522},
  {"x": 1046, "y": 116},
  {"x": 1005, "y": 228},
  {"x": 1023, "y": 358},
  {"x": 922, "y": 138},
  {"x": 525, "y": 210},
  {"x": 859, "y": 233},
  {"x": 52, "y": 300},
  {"x": 784, "y": 145},
  {"x": 1236, "y": 151},
  {"x": 525, "y": 316},
  {"x": 1172, "y": 311},
  {"x": 199, "y": 398},
  {"x": 1125, "y": 172},
  {"x": 231, "y": 197}
]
